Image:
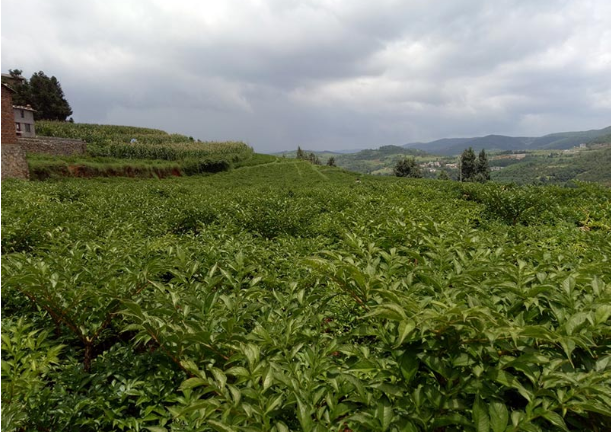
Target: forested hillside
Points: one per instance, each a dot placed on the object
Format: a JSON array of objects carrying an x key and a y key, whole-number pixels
[{"x": 561, "y": 141}]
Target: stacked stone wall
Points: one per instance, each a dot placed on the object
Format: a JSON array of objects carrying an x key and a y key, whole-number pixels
[
  {"x": 14, "y": 163},
  {"x": 53, "y": 146}
]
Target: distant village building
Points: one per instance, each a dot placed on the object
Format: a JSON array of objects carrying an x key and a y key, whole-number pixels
[
  {"x": 430, "y": 164},
  {"x": 24, "y": 120},
  {"x": 518, "y": 156},
  {"x": 583, "y": 145},
  {"x": 453, "y": 165}
]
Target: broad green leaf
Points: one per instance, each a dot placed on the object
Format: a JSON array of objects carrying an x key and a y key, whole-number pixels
[
  {"x": 389, "y": 311},
  {"x": 498, "y": 414},
  {"x": 384, "y": 413},
  {"x": 602, "y": 313},
  {"x": 409, "y": 364},
  {"x": 556, "y": 420},
  {"x": 480, "y": 416},
  {"x": 404, "y": 329},
  {"x": 218, "y": 426},
  {"x": 282, "y": 427},
  {"x": 273, "y": 404},
  {"x": 192, "y": 383}
]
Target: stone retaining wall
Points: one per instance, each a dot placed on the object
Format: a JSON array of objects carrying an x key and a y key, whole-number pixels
[
  {"x": 14, "y": 163},
  {"x": 52, "y": 146}
]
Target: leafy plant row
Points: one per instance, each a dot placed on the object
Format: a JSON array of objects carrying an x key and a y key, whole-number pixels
[{"x": 290, "y": 297}]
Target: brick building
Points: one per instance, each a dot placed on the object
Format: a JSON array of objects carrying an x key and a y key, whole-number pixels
[
  {"x": 14, "y": 163},
  {"x": 8, "y": 116}
]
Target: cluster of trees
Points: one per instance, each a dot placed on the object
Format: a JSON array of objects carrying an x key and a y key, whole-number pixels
[
  {"x": 407, "y": 167},
  {"x": 472, "y": 169},
  {"x": 43, "y": 93},
  {"x": 313, "y": 158},
  {"x": 310, "y": 157}
]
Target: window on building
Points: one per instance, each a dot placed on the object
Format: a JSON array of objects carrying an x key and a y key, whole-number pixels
[
  {"x": 22, "y": 114},
  {"x": 27, "y": 127},
  {"x": 18, "y": 126}
]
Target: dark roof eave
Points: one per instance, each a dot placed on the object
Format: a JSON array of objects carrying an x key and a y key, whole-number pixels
[{"x": 8, "y": 88}]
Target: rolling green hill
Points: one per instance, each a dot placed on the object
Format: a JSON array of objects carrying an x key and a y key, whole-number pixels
[
  {"x": 376, "y": 161},
  {"x": 569, "y": 139},
  {"x": 565, "y": 140},
  {"x": 592, "y": 164},
  {"x": 369, "y": 161}
]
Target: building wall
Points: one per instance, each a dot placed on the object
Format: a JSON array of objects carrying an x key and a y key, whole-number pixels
[
  {"x": 52, "y": 146},
  {"x": 27, "y": 119},
  {"x": 8, "y": 118},
  {"x": 14, "y": 163},
  {"x": 12, "y": 81}
]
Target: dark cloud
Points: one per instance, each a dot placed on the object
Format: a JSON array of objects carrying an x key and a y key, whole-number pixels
[{"x": 322, "y": 74}]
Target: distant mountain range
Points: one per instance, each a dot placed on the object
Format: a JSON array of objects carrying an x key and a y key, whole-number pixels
[
  {"x": 591, "y": 163},
  {"x": 561, "y": 141}
]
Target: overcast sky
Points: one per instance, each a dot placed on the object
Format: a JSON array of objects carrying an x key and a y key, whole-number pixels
[{"x": 323, "y": 74}]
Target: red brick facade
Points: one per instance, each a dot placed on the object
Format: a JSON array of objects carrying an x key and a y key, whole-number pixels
[{"x": 8, "y": 117}]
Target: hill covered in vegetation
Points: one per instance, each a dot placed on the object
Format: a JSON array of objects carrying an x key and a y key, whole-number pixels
[
  {"x": 555, "y": 158},
  {"x": 289, "y": 296},
  {"x": 560, "y": 141},
  {"x": 368, "y": 161},
  {"x": 592, "y": 165}
]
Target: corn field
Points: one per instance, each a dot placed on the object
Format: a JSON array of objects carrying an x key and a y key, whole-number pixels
[{"x": 116, "y": 141}]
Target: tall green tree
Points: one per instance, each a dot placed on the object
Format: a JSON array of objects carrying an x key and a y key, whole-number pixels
[
  {"x": 467, "y": 165},
  {"x": 483, "y": 172},
  {"x": 47, "y": 98},
  {"x": 43, "y": 93},
  {"x": 331, "y": 161},
  {"x": 300, "y": 153},
  {"x": 407, "y": 167}
]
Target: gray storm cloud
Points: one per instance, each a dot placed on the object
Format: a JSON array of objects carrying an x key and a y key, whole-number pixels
[{"x": 322, "y": 74}]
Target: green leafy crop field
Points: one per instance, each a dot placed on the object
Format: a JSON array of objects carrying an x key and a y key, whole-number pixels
[
  {"x": 287, "y": 296},
  {"x": 137, "y": 147}
]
